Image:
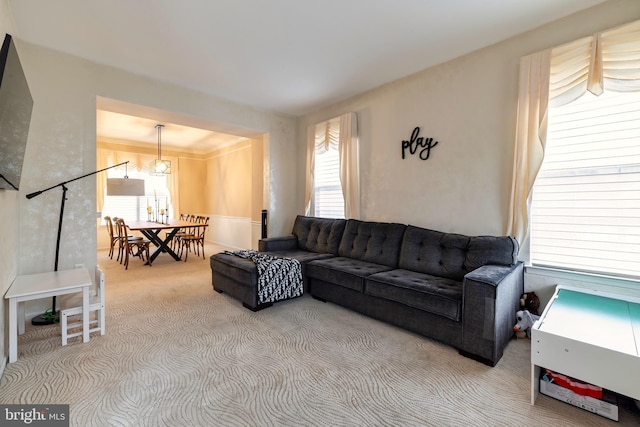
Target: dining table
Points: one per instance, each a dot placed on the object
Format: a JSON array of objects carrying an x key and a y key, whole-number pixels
[{"x": 151, "y": 230}]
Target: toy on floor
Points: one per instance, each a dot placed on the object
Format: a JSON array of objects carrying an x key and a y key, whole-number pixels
[
  {"x": 530, "y": 301},
  {"x": 525, "y": 321}
]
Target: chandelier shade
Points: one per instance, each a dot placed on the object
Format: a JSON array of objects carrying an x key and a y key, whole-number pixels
[{"x": 160, "y": 166}]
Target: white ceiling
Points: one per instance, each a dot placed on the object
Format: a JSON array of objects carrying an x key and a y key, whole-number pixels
[
  {"x": 287, "y": 56},
  {"x": 127, "y": 129}
]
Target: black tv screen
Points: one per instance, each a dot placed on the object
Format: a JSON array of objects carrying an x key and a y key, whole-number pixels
[{"x": 16, "y": 105}]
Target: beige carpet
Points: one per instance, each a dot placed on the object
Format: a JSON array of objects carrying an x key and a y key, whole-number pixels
[{"x": 176, "y": 353}]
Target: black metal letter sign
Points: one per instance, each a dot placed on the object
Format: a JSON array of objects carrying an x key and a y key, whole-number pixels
[{"x": 416, "y": 142}]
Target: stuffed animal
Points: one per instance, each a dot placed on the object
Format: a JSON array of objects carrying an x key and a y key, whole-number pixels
[
  {"x": 525, "y": 321},
  {"x": 530, "y": 301}
]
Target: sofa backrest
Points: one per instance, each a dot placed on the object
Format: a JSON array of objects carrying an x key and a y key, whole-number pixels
[
  {"x": 377, "y": 242},
  {"x": 453, "y": 255},
  {"x": 320, "y": 235}
]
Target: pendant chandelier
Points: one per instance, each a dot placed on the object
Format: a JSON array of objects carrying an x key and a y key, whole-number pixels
[{"x": 160, "y": 166}]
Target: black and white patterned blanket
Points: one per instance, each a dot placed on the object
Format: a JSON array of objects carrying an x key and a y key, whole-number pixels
[{"x": 279, "y": 278}]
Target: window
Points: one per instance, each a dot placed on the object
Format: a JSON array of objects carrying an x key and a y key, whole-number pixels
[
  {"x": 135, "y": 208},
  {"x": 585, "y": 210},
  {"x": 329, "y": 202},
  {"x": 332, "y": 187}
]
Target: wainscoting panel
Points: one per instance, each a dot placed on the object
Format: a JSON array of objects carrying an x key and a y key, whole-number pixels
[
  {"x": 233, "y": 232},
  {"x": 256, "y": 234}
]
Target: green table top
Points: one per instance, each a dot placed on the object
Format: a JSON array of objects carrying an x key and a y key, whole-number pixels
[{"x": 594, "y": 319}]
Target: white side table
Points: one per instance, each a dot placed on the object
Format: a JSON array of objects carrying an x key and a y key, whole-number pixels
[{"x": 43, "y": 285}]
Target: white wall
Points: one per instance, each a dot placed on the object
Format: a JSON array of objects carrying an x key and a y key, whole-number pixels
[
  {"x": 469, "y": 106},
  {"x": 9, "y": 208}
]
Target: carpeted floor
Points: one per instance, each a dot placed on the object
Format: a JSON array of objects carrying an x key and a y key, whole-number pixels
[{"x": 176, "y": 353}]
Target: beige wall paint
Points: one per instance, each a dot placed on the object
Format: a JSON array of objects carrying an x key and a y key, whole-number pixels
[
  {"x": 191, "y": 180},
  {"x": 257, "y": 160},
  {"x": 229, "y": 181},
  {"x": 469, "y": 106}
]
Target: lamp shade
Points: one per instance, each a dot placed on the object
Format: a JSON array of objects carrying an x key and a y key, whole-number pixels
[{"x": 125, "y": 187}]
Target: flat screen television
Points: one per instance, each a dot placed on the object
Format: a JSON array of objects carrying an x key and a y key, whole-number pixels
[{"x": 16, "y": 105}]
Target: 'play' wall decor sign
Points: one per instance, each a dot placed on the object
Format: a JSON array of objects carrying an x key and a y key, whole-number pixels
[{"x": 418, "y": 142}]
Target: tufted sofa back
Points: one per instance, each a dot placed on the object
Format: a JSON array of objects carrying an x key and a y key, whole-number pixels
[
  {"x": 376, "y": 242},
  {"x": 453, "y": 255},
  {"x": 319, "y": 235}
]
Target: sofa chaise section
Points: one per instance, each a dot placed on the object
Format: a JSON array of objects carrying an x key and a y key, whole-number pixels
[{"x": 311, "y": 239}]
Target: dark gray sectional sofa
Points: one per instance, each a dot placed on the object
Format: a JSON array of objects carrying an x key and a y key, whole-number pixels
[{"x": 461, "y": 290}]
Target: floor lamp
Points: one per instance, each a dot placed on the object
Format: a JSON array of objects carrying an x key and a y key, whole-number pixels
[{"x": 51, "y": 316}]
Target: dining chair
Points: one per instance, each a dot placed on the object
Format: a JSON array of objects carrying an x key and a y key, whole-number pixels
[
  {"x": 195, "y": 239},
  {"x": 74, "y": 309},
  {"x": 121, "y": 235},
  {"x": 113, "y": 239},
  {"x": 184, "y": 231},
  {"x": 131, "y": 245}
]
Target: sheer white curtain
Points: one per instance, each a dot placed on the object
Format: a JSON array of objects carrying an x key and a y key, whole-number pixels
[
  {"x": 309, "y": 194},
  {"x": 531, "y": 134},
  {"x": 339, "y": 133},
  {"x": 349, "y": 165},
  {"x": 608, "y": 60}
]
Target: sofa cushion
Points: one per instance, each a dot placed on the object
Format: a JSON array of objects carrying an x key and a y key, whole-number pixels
[
  {"x": 453, "y": 255},
  {"x": 375, "y": 242},
  {"x": 498, "y": 250},
  {"x": 436, "y": 295},
  {"x": 320, "y": 235},
  {"x": 434, "y": 252},
  {"x": 341, "y": 271}
]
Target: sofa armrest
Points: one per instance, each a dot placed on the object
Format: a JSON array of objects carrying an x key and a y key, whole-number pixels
[
  {"x": 275, "y": 244},
  {"x": 490, "y": 299}
]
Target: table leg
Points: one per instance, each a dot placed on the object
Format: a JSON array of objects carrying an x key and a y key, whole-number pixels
[
  {"x": 162, "y": 245},
  {"x": 85, "y": 314},
  {"x": 535, "y": 383},
  {"x": 13, "y": 330},
  {"x": 21, "y": 315}
]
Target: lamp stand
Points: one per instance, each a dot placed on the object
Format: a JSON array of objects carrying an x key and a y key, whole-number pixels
[{"x": 51, "y": 316}]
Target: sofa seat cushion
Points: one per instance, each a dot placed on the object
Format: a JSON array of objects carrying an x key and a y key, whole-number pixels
[
  {"x": 303, "y": 256},
  {"x": 342, "y": 271},
  {"x": 437, "y": 295}
]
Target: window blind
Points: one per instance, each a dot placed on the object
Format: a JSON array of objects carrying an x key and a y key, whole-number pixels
[
  {"x": 585, "y": 210},
  {"x": 329, "y": 202}
]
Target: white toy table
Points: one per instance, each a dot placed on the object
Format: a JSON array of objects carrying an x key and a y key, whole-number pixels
[
  {"x": 42, "y": 285},
  {"x": 591, "y": 336}
]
